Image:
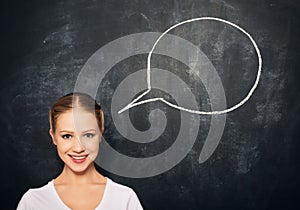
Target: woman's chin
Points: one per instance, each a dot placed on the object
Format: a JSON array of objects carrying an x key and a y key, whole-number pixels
[{"x": 79, "y": 167}]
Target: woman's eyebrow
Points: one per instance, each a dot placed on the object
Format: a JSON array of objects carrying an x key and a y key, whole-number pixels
[
  {"x": 66, "y": 131},
  {"x": 89, "y": 130}
]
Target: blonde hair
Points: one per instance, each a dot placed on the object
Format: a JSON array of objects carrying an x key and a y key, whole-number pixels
[{"x": 80, "y": 100}]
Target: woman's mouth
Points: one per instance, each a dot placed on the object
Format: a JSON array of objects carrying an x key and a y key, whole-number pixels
[{"x": 78, "y": 158}]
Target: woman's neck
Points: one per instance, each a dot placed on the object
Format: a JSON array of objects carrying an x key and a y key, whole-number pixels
[{"x": 88, "y": 176}]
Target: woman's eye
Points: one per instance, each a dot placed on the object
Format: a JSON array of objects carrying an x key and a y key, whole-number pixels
[
  {"x": 89, "y": 135},
  {"x": 66, "y": 136}
]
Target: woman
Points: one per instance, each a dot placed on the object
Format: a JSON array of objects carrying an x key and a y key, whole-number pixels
[{"x": 76, "y": 127}]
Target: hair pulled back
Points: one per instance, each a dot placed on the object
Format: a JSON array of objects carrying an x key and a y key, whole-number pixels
[{"x": 76, "y": 100}]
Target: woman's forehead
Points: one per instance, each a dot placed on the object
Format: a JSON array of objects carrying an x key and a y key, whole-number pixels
[{"x": 77, "y": 119}]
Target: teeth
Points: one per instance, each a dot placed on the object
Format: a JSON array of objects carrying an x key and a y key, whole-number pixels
[{"x": 78, "y": 158}]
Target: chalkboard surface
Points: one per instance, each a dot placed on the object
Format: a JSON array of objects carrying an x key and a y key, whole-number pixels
[{"x": 255, "y": 165}]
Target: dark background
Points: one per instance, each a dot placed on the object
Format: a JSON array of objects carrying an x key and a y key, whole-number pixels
[{"x": 45, "y": 43}]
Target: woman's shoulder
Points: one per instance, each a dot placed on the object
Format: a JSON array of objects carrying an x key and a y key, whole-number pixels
[
  {"x": 38, "y": 189},
  {"x": 41, "y": 190},
  {"x": 36, "y": 196},
  {"x": 125, "y": 195},
  {"x": 119, "y": 188}
]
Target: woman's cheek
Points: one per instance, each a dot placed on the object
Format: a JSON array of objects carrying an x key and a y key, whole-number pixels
[{"x": 92, "y": 148}]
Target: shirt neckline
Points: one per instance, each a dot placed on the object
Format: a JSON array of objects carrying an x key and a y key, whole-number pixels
[{"x": 51, "y": 183}]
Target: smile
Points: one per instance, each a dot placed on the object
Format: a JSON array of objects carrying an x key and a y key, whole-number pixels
[{"x": 78, "y": 159}]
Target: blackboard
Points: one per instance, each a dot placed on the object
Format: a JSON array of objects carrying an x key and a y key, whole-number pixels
[{"x": 47, "y": 44}]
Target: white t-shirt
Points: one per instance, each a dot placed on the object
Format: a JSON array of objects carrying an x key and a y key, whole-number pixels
[{"x": 115, "y": 197}]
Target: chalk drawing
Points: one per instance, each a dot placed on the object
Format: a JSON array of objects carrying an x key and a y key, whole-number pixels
[
  {"x": 102, "y": 61},
  {"x": 135, "y": 103}
]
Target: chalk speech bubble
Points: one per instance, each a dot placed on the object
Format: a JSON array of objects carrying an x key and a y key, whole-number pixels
[{"x": 99, "y": 64}]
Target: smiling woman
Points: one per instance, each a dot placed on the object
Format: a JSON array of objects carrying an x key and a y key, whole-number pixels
[{"x": 76, "y": 126}]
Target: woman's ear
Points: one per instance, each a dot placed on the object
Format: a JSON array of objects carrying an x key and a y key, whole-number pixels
[{"x": 52, "y": 136}]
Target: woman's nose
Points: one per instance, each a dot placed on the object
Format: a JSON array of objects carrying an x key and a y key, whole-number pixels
[{"x": 77, "y": 145}]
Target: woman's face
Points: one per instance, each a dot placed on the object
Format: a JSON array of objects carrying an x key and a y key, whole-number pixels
[{"x": 77, "y": 138}]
